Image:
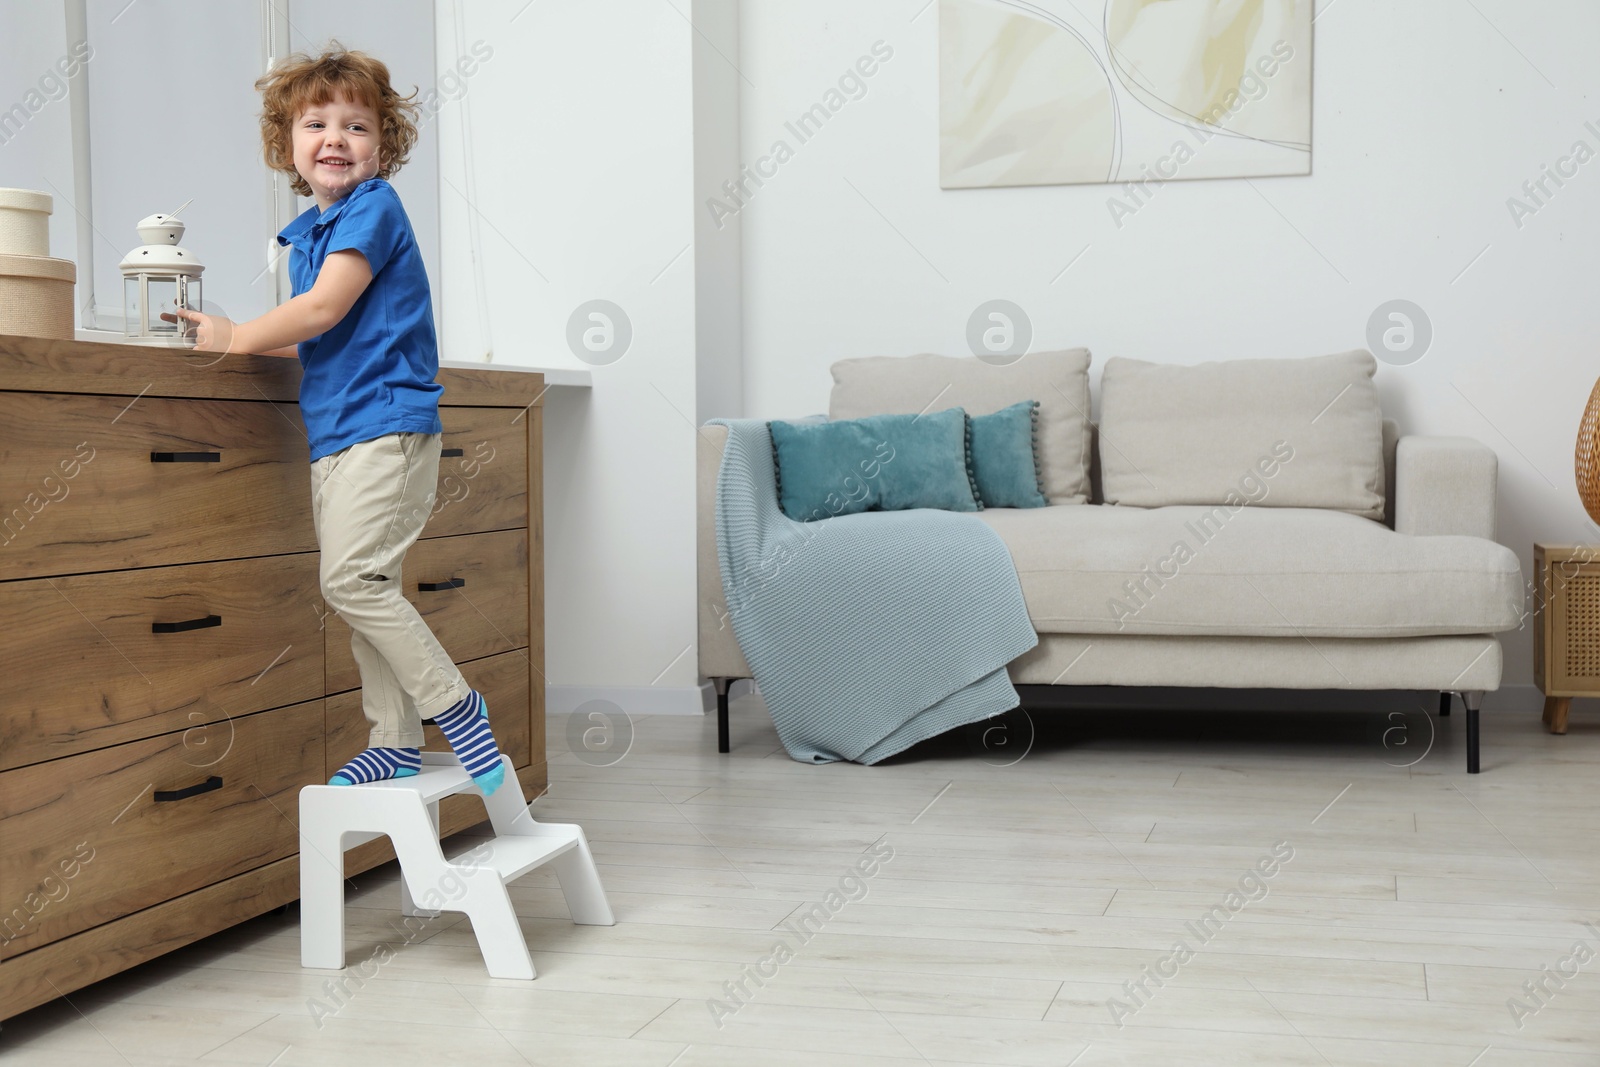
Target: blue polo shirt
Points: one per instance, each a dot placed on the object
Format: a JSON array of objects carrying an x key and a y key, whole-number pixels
[{"x": 373, "y": 372}]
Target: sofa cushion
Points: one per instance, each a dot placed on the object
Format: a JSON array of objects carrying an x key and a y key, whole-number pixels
[
  {"x": 1059, "y": 381},
  {"x": 1211, "y": 433},
  {"x": 1265, "y": 572},
  {"x": 1004, "y": 455},
  {"x": 879, "y": 463}
]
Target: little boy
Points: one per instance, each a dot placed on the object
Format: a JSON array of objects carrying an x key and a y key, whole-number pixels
[{"x": 361, "y": 324}]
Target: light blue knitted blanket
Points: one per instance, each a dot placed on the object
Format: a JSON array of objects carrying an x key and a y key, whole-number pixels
[{"x": 870, "y": 632}]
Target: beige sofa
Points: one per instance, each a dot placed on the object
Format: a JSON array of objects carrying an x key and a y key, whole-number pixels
[{"x": 1404, "y": 589}]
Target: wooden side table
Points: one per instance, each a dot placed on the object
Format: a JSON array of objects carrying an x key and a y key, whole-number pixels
[{"x": 1566, "y": 633}]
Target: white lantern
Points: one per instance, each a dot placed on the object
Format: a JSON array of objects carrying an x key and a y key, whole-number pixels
[{"x": 158, "y": 278}]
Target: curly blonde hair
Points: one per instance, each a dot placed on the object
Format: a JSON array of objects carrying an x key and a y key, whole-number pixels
[{"x": 301, "y": 81}]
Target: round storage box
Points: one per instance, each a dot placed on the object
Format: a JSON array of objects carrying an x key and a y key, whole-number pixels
[
  {"x": 24, "y": 222},
  {"x": 36, "y": 296}
]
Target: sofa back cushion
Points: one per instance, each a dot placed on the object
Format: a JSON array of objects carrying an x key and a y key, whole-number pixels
[
  {"x": 1302, "y": 433},
  {"x": 1059, "y": 381}
]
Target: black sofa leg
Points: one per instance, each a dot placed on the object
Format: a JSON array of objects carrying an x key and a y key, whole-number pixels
[
  {"x": 1444, "y": 704},
  {"x": 722, "y": 685},
  {"x": 1473, "y": 701}
]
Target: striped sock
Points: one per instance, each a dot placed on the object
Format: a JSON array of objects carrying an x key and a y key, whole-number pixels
[
  {"x": 466, "y": 727},
  {"x": 376, "y": 764}
]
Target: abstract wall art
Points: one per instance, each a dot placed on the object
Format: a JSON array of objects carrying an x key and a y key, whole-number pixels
[{"x": 1054, "y": 92}]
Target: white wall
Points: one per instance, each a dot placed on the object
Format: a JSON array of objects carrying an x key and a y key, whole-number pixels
[
  {"x": 580, "y": 188},
  {"x": 1426, "y": 120}
]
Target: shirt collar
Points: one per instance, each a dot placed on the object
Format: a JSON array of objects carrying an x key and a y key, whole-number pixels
[{"x": 312, "y": 217}]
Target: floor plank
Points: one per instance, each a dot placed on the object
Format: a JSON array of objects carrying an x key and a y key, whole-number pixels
[{"x": 1101, "y": 901}]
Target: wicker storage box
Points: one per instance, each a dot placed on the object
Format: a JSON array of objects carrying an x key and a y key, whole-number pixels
[
  {"x": 36, "y": 296},
  {"x": 24, "y": 222}
]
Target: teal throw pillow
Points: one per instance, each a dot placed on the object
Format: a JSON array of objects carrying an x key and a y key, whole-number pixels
[
  {"x": 1005, "y": 457},
  {"x": 877, "y": 463}
]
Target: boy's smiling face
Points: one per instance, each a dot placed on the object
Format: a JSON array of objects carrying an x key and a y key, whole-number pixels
[{"x": 336, "y": 148}]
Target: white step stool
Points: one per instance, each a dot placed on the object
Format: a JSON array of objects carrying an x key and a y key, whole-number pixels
[{"x": 334, "y": 818}]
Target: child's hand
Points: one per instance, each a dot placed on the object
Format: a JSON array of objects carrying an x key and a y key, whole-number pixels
[{"x": 213, "y": 333}]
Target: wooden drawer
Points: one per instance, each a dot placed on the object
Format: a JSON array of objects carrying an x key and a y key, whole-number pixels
[
  {"x": 503, "y": 681},
  {"x": 85, "y": 668},
  {"x": 80, "y": 491},
  {"x": 486, "y": 486},
  {"x": 143, "y": 849},
  {"x": 488, "y": 614}
]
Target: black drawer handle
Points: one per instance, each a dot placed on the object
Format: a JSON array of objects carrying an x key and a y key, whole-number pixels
[
  {"x": 187, "y": 624},
  {"x": 164, "y": 795},
  {"x": 447, "y": 453},
  {"x": 449, "y": 583},
  {"x": 186, "y": 457}
]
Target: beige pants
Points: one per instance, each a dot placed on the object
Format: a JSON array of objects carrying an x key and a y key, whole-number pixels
[{"x": 369, "y": 503}]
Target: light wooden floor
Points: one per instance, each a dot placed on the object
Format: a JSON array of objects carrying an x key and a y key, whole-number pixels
[{"x": 1019, "y": 899}]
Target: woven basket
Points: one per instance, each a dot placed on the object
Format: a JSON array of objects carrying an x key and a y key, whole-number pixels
[
  {"x": 36, "y": 296},
  {"x": 24, "y": 222},
  {"x": 1588, "y": 456}
]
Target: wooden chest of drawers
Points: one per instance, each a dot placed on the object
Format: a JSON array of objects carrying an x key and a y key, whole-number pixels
[{"x": 171, "y": 676}]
